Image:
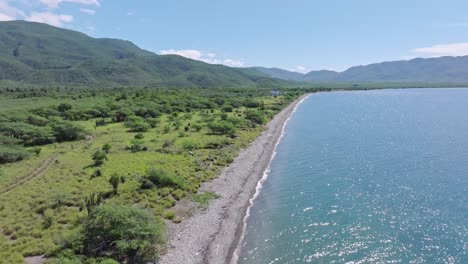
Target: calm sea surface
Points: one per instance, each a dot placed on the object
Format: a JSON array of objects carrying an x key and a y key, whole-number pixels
[{"x": 367, "y": 177}]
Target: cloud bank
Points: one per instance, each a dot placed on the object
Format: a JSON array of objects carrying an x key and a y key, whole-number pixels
[
  {"x": 28, "y": 10},
  {"x": 201, "y": 56},
  {"x": 451, "y": 49},
  {"x": 300, "y": 69}
]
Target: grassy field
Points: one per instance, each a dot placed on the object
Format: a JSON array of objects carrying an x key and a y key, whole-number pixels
[{"x": 39, "y": 212}]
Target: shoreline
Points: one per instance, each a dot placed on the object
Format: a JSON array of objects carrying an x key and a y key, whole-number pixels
[{"x": 213, "y": 235}]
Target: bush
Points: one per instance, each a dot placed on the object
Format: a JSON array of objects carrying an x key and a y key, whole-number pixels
[
  {"x": 66, "y": 131},
  {"x": 106, "y": 148},
  {"x": 99, "y": 157},
  {"x": 161, "y": 178},
  {"x": 12, "y": 154},
  {"x": 255, "y": 117},
  {"x": 36, "y": 150},
  {"x": 136, "y": 124},
  {"x": 189, "y": 145},
  {"x": 139, "y": 136},
  {"x": 197, "y": 127},
  {"x": 96, "y": 173},
  {"x": 121, "y": 232},
  {"x": 222, "y": 127},
  {"x": 169, "y": 215},
  {"x": 137, "y": 145},
  {"x": 48, "y": 218},
  {"x": 114, "y": 181},
  {"x": 64, "y": 107}
]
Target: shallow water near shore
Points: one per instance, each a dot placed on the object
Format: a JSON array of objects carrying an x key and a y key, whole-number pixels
[{"x": 366, "y": 177}]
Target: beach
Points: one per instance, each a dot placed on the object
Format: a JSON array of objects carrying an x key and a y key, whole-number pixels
[{"x": 212, "y": 235}]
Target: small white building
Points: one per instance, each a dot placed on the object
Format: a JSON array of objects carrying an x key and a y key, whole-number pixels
[{"x": 275, "y": 92}]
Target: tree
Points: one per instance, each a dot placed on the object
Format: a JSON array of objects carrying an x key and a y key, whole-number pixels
[
  {"x": 66, "y": 131},
  {"x": 99, "y": 157},
  {"x": 121, "y": 232},
  {"x": 115, "y": 180}
]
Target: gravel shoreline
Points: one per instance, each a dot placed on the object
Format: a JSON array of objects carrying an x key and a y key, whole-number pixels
[{"x": 212, "y": 235}]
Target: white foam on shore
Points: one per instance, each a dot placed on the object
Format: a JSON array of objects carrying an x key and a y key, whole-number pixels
[{"x": 258, "y": 188}]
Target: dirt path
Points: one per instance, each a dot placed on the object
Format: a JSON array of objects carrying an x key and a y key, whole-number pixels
[{"x": 36, "y": 173}]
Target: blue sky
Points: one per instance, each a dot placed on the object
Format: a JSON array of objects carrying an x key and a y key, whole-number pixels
[{"x": 296, "y": 35}]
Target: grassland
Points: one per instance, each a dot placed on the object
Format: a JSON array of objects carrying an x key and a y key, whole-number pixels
[{"x": 41, "y": 214}]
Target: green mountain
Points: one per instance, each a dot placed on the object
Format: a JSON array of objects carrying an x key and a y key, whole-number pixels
[
  {"x": 39, "y": 54},
  {"x": 280, "y": 73},
  {"x": 431, "y": 70}
]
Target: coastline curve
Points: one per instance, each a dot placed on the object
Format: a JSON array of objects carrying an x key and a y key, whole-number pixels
[{"x": 213, "y": 235}]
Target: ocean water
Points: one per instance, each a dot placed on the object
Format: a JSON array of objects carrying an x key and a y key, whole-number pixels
[{"x": 367, "y": 177}]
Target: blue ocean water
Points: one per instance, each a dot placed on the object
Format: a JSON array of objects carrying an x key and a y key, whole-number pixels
[{"x": 367, "y": 177}]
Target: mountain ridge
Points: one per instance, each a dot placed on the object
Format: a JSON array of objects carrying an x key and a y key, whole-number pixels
[
  {"x": 432, "y": 70},
  {"x": 39, "y": 54}
]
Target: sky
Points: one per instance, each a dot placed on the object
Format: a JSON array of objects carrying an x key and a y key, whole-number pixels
[{"x": 297, "y": 35}]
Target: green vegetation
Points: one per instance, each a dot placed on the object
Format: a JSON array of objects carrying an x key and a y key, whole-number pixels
[
  {"x": 42, "y": 55},
  {"x": 204, "y": 198},
  {"x": 94, "y": 174}
]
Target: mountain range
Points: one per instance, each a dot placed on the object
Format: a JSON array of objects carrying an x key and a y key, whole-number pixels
[
  {"x": 436, "y": 70},
  {"x": 40, "y": 54}
]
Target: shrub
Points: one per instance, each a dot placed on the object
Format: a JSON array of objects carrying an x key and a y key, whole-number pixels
[
  {"x": 189, "y": 145},
  {"x": 106, "y": 148},
  {"x": 222, "y": 127},
  {"x": 99, "y": 157},
  {"x": 96, "y": 173},
  {"x": 12, "y": 154},
  {"x": 139, "y": 136},
  {"x": 37, "y": 150},
  {"x": 66, "y": 131},
  {"x": 114, "y": 181},
  {"x": 161, "y": 178},
  {"x": 136, "y": 124},
  {"x": 256, "y": 117},
  {"x": 227, "y": 109},
  {"x": 197, "y": 127},
  {"x": 121, "y": 232},
  {"x": 137, "y": 145},
  {"x": 48, "y": 218},
  {"x": 167, "y": 143},
  {"x": 64, "y": 107},
  {"x": 169, "y": 215},
  {"x": 153, "y": 122}
]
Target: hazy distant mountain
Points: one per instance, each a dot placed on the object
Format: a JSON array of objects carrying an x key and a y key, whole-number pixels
[
  {"x": 443, "y": 69},
  {"x": 280, "y": 73},
  {"x": 39, "y": 54}
]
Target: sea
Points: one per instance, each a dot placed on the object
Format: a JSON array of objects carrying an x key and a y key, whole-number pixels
[{"x": 377, "y": 176}]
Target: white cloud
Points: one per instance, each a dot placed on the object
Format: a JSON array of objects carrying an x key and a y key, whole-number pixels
[
  {"x": 88, "y": 11},
  {"x": 451, "y": 49},
  {"x": 233, "y": 63},
  {"x": 56, "y": 3},
  {"x": 200, "y": 56},
  {"x": 300, "y": 69},
  {"x": 49, "y": 18},
  {"x": 8, "y": 12},
  {"x": 5, "y": 17},
  {"x": 191, "y": 54}
]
